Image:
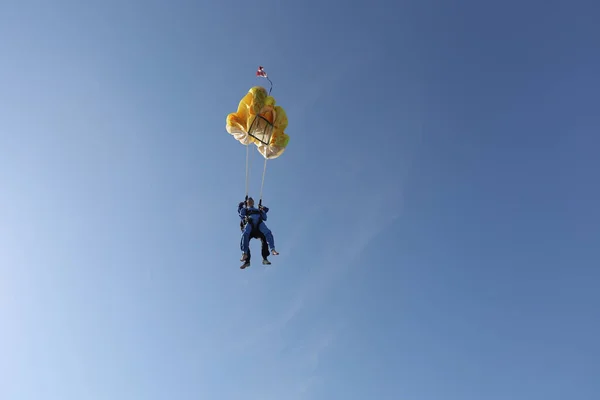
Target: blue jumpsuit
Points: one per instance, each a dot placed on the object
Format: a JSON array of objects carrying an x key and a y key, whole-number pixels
[{"x": 254, "y": 215}]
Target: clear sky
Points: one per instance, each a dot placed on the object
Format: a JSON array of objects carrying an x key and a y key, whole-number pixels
[{"x": 436, "y": 210}]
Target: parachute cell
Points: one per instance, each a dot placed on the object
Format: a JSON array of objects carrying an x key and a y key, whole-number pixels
[{"x": 258, "y": 120}]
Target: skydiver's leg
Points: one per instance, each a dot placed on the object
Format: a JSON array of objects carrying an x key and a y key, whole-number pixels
[
  {"x": 246, "y": 240},
  {"x": 244, "y": 257},
  {"x": 264, "y": 248},
  {"x": 269, "y": 236},
  {"x": 254, "y": 234},
  {"x": 257, "y": 234}
]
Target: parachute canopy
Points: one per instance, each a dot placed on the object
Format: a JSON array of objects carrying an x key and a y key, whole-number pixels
[{"x": 258, "y": 120}]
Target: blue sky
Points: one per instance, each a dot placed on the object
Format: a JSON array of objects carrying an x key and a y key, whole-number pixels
[{"x": 436, "y": 210}]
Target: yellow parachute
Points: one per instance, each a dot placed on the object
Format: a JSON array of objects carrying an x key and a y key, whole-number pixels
[{"x": 258, "y": 120}]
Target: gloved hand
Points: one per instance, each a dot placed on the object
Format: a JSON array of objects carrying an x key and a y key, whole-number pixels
[{"x": 241, "y": 204}]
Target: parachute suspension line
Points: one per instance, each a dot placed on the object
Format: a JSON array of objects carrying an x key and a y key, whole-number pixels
[
  {"x": 247, "y": 170},
  {"x": 260, "y": 72},
  {"x": 249, "y": 159},
  {"x": 262, "y": 184}
]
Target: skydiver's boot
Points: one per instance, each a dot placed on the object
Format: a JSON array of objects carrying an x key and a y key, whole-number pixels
[
  {"x": 245, "y": 265},
  {"x": 274, "y": 252},
  {"x": 244, "y": 257},
  {"x": 266, "y": 261}
]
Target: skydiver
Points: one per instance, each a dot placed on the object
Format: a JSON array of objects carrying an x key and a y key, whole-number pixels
[
  {"x": 254, "y": 218},
  {"x": 256, "y": 234}
]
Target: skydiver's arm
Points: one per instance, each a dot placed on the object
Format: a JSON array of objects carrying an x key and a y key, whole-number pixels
[
  {"x": 241, "y": 210},
  {"x": 263, "y": 211}
]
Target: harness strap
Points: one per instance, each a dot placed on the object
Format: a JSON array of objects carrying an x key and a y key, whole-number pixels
[{"x": 250, "y": 221}]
